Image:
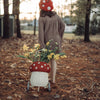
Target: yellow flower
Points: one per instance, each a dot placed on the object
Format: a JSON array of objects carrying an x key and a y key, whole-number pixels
[
  {"x": 47, "y": 43},
  {"x": 25, "y": 47},
  {"x": 32, "y": 50},
  {"x": 56, "y": 57},
  {"x": 52, "y": 54},
  {"x": 37, "y": 45},
  {"x": 49, "y": 57},
  {"x": 64, "y": 56},
  {"x": 26, "y": 54},
  {"x": 45, "y": 50}
]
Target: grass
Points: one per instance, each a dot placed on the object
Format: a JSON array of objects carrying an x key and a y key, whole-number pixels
[{"x": 68, "y": 35}]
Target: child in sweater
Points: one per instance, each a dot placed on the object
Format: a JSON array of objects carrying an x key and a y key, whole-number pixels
[{"x": 51, "y": 27}]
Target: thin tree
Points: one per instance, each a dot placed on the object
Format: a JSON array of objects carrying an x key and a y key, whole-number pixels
[
  {"x": 87, "y": 20},
  {"x": 35, "y": 25},
  {"x": 6, "y": 20},
  {"x": 16, "y": 12}
]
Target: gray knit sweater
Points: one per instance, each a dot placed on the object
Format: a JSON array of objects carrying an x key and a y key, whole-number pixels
[{"x": 51, "y": 28}]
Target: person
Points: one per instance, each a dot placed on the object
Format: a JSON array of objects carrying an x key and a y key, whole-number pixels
[{"x": 51, "y": 27}]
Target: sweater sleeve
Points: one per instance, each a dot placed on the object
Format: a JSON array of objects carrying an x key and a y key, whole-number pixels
[
  {"x": 61, "y": 27},
  {"x": 41, "y": 33}
]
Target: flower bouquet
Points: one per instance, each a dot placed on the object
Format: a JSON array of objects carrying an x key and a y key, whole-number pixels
[
  {"x": 43, "y": 55},
  {"x": 40, "y": 58}
]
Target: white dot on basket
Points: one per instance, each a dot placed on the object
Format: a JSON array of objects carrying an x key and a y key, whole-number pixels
[
  {"x": 36, "y": 67},
  {"x": 44, "y": 64},
  {"x": 41, "y": 66},
  {"x": 38, "y": 62},
  {"x": 30, "y": 67},
  {"x": 48, "y": 68},
  {"x": 33, "y": 64}
]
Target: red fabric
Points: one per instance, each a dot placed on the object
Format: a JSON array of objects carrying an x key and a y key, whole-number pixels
[
  {"x": 46, "y": 5},
  {"x": 40, "y": 66}
]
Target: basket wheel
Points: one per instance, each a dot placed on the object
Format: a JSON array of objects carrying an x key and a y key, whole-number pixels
[
  {"x": 49, "y": 87},
  {"x": 28, "y": 86}
]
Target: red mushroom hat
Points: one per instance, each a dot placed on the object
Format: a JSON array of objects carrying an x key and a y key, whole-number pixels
[
  {"x": 46, "y": 5},
  {"x": 40, "y": 67}
]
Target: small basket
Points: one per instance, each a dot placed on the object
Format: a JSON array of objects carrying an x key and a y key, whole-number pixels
[
  {"x": 39, "y": 75},
  {"x": 39, "y": 79}
]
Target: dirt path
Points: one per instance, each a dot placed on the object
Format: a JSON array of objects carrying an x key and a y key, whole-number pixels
[{"x": 78, "y": 76}]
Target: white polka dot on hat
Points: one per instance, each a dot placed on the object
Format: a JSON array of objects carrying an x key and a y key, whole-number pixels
[{"x": 48, "y": 7}]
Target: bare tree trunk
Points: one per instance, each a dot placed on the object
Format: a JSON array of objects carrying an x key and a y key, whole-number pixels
[
  {"x": 16, "y": 12},
  {"x": 87, "y": 20},
  {"x": 6, "y": 20},
  {"x": 18, "y": 26},
  {"x": 34, "y": 26}
]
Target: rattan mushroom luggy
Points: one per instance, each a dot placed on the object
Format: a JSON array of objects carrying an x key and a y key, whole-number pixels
[{"x": 39, "y": 74}]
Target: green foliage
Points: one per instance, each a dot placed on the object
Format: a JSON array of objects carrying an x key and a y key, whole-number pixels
[
  {"x": 94, "y": 2},
  {"x": 79, "y": 11},
  {"x": 94, "y": 28},
  {"x": 80, "y": 30},
  {"x": 21, "y": 56}
]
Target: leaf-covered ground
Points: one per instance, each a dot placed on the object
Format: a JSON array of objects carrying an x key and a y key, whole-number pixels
[{"x": 78, "y": 76}]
